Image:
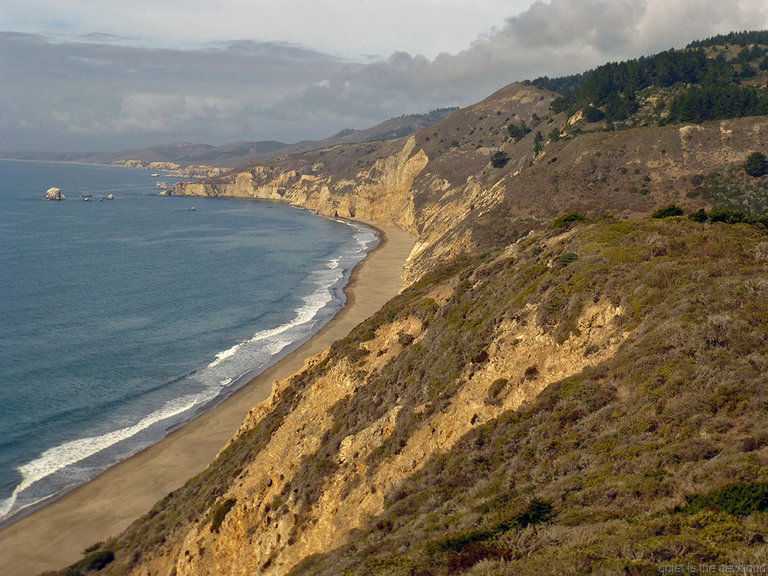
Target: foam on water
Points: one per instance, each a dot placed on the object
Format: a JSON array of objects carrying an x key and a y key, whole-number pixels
[{"x": 58, "y": 458}]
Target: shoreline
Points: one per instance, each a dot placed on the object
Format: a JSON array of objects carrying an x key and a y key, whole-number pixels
[{"x": 54, "y": 535}]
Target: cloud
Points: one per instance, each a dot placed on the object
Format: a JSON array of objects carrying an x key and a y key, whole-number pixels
[
  {"x": 566, "y": 22},
  {"x": 103, "y": 92}
]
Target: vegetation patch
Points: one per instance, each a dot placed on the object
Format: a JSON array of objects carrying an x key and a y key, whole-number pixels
[
  {"x": 499, "y": 159},
  {"x": 604, "y": 446},
  {"x": 739, "y": 499},
  {"x": 756, "y": 165},
  {"x": 566, "y": 221},
  {"x": 93, "y": 562},
  {"x": 221, "y": 512},
  {"x": 668, "y": 211}
]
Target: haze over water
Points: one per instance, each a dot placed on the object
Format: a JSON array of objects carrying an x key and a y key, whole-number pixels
[{"x": 122, "y": 318}]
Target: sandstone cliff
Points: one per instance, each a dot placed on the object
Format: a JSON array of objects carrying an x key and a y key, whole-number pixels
[
  {"x": 564, "y": 369},
  {"x": 440, "y": 185}
]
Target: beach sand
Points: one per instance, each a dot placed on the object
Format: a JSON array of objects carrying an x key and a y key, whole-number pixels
[{"x": 55, "y": 535}]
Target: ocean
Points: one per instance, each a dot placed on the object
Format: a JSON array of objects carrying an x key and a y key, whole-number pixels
[{"x": 122, "y": 319}]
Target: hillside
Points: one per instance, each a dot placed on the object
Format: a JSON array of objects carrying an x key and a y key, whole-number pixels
[{"x": 572, "y": 380}]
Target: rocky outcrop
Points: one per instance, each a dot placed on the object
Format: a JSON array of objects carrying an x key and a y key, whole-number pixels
[
  {"x": 199, "y": 171},
  {"x": 54, "y": 194},
  {"x": 441, "y": 186},
  {"x": 267, "y": 532},
  {"x": 191, "y": 171},
  {"x": 381, "y": 193}
]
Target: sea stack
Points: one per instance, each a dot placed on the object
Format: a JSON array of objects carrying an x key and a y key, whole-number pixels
[{"x": 54, "y": 194}]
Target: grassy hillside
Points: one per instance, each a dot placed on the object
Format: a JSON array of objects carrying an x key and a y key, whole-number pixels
[{"x": 614, "y": 467}]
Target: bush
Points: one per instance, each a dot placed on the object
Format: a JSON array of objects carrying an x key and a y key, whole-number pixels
[
  {"x": 592, "y": 114},
  {"x": 667, "y": 211},
  {"x": 756, "y": 165},
  {"x": 221, "y": 513},
  {"x": 499, "y": 159},
  {"x": 567, "y": 220},
  {"x": 699, "y": 216},
  {"x": 93, "y": 561},
  {"x": 538, "y": 511},
  {"x": 567, "y": 258},
  {"x": 728, "y": 216},
  {"x": 735, "y": 499},
  {"x": 517, "y": 131}
]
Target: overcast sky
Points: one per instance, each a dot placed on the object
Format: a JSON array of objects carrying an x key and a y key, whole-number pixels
[{"x": 88, "y": 75}]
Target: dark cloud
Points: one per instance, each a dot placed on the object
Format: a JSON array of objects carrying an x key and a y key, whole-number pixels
[{"x": 103, "y": 93}]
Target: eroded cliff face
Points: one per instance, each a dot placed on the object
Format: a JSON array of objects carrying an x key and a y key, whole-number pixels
[
  {"x": 269, "y": 532},
  {"x": 381, "y": 193},
  {"x": 441, "y": 186}
]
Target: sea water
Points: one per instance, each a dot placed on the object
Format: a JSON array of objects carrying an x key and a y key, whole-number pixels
[{"x": 121, "y": 319}]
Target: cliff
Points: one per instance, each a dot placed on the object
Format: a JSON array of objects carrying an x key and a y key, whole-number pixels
[{"x": 441, "y": 186}]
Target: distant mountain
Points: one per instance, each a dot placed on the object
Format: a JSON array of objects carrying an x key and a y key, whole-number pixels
[
  {"x": 186, "y": 154},
  {"x": 190, "y": 153}
]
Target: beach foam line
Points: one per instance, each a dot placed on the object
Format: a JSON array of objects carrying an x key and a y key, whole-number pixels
[
  {"x": 60, "y": 457},
  {"x": 224, "y": 355}
]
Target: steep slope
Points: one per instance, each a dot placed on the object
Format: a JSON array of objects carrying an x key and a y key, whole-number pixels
[{"x": 603, "y": 471}]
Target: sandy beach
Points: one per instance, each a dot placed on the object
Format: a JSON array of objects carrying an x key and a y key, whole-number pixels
[{"x": 55, "y": 535}]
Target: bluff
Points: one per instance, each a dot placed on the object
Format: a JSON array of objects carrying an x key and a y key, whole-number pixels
[
  {"x": 441, "y": 185},
  {"x": 571, "y": 381}
]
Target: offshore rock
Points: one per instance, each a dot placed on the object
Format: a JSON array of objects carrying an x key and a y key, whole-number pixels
[{"x": 54, "y": 194}]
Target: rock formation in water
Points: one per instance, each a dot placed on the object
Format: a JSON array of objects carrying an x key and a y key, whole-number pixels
[{"x": 54, "y": 194}]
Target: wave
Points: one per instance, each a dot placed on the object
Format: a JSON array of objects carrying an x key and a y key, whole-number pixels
[
  {"x": 224, "y": 355},
  {"x": 53, "y": 471},
  {"x": 65, "y": 455}
]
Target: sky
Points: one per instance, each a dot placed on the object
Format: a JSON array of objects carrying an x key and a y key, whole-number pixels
[{"x": 89, "y": 76}]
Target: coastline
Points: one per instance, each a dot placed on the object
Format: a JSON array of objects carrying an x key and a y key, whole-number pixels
[{"x": 54, "y": 535}]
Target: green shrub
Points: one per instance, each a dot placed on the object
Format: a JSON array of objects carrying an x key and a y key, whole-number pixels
[
  {"x": 517, "y": 131},
  {"x": 221, "y": 512},
  {"x": 736, "y": 499},
  {"x": 667, "y": 211},
  {"x": 567, "y": 220},
  {"x": 538, "y": 512},
  {"x": 567, "y": 258},
  {"x": 592, "y": 114},
  {"x": 699, "y": 216},
  {"x": 756, "y": 165},
  {"x": 728, "y": 216},
  {"x": 93, "y": 561},
  {"x": 499, "y": 159}
]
